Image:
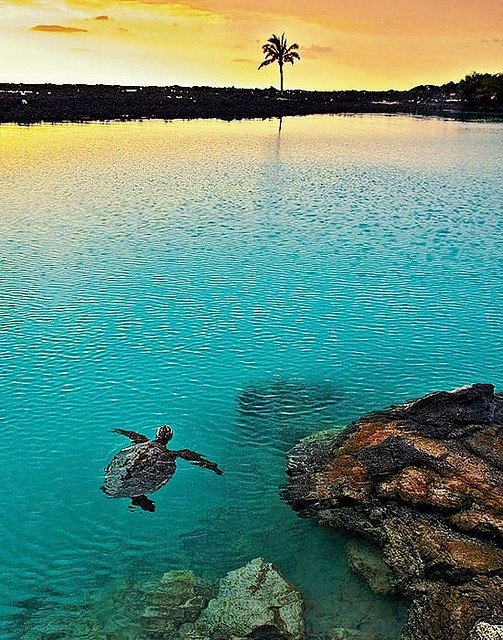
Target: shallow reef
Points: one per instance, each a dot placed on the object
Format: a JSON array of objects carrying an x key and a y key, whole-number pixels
[
  {"x": 253, "y": 602},
  {"x": 423, "y": 483}
]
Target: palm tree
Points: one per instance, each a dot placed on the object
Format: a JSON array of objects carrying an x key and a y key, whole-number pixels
[{"x": 277, "y": 50}]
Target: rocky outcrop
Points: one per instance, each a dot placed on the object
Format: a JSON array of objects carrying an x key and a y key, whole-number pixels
[
  {"x": 254, "y": 601},
  {"x": 424, "y": 482},
  {"x": 484, "y": 631}
]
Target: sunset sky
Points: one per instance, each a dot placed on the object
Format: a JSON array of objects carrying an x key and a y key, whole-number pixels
[{"x": 374, "y": 44}]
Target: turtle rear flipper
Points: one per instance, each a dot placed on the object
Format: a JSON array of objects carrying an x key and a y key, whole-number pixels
[{"x": 146, "y": 504}]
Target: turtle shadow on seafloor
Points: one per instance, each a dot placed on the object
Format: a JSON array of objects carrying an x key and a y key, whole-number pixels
[{"x": 281, "y": 412}]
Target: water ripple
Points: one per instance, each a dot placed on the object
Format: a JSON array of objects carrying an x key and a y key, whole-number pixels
[{"x": 246, "y": 289}]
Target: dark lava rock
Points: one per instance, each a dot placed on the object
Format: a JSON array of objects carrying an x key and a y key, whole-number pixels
[
  {"x": 424, "y": 482},
  {"x": 27, "y": 103}
]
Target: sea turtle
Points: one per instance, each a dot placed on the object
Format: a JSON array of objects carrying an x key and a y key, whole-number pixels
[{"x": 146, "y": 466}]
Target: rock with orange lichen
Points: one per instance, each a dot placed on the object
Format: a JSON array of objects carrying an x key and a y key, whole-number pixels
[
  {"x": 423, "y": 481},
  {"x": 455, "y": 611}
]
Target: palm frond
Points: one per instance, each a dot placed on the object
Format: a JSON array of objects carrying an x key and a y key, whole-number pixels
[
  {"x": 270, "y": 51},
  {"x": 291, "y": 57},
  {"x": 264, "y": 63},
  {"x": 274, "y": 40}
]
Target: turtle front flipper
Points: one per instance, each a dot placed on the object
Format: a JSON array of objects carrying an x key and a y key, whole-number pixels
[
  {"x": 198, "y": 460},
  {"x": 146, "y": 504},
  {"x": 137, "y": 438}
]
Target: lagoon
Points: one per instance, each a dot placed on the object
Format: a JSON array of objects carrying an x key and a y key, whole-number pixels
[{"x": 248, "y": 286}]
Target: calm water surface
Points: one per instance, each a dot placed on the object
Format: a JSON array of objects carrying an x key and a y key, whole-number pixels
[{"x": 247, "y": 288}]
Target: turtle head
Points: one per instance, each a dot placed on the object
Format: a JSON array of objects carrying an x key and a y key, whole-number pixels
[{"x": 164, "y": 434}]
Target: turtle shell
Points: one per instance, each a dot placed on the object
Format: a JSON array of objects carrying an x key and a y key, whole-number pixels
[{"x": 137, "y": 470}]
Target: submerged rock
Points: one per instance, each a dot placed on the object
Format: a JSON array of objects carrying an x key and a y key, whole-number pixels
[
  {"x": 368, "y": 562},
  {"x": 286, "y": 410},
  {"x": 424, "y": 482},
  {"x": 178, "y": 598},
  {"x": 254, "y": 601},
  {"x": 108, "y": 613},
  {"x": 349, "y": 634},
  {"x": 120, "y": 610}
]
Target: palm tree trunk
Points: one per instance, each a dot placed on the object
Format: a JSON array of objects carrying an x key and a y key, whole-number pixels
[{"x": 281, "y": 76}]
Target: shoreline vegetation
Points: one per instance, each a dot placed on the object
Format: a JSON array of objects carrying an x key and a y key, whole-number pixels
[{"x": 477, "y": 96}]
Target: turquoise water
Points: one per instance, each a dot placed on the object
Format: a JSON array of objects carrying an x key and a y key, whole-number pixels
[{"x": 247, "y": 288}]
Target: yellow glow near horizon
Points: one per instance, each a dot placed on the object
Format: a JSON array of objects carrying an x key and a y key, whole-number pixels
[{"x": 344, "y": 43}]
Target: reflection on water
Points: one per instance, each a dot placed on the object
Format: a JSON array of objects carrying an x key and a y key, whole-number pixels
[{"x": 247, "y": 286}]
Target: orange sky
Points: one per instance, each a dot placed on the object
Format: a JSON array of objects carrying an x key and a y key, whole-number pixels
[{"x": 374, "y": 44}]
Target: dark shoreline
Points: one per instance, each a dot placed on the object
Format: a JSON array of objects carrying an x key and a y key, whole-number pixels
[{"x": 30, "y": 104}]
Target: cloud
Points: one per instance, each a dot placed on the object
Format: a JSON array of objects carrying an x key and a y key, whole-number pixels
[
  {"x": 102, "y": 18},
  {"x": 243, "y": 60},
  {"x": 315, "y": 51},
  {"x": 178, "y": 9},
  {"x": 57, "y": 28}
]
